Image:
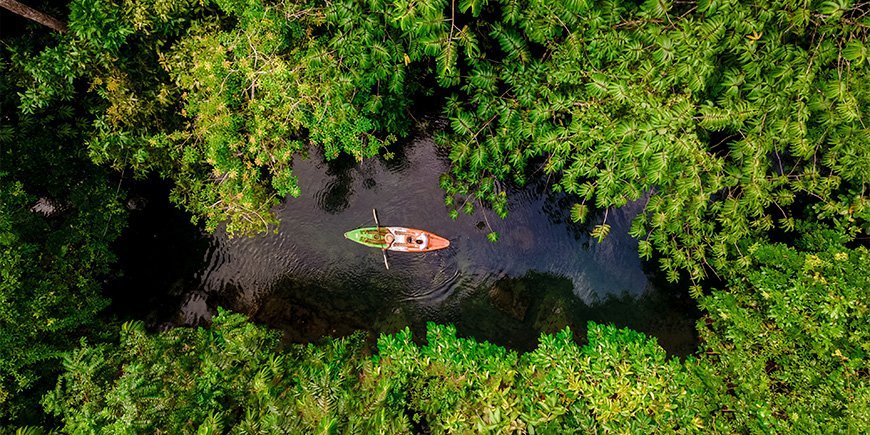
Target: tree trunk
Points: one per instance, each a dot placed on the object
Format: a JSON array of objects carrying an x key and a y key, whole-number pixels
[{"x": 33, "y": 14}]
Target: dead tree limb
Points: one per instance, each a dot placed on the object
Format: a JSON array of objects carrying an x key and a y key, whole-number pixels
[{"x": 30, "y": 13}]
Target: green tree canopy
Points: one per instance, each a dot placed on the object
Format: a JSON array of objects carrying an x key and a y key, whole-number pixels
[
  {"x": 741, "y": 122},
  {"x": 235, "y": 377},
  {"x": 220, "y": 96},
  {"x": 738, "y": 117},
  {"x": 58, "y": 215},
  {"x": 785, "y": 347}
]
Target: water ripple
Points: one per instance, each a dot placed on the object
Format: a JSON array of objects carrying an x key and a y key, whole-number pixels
[{"x": 307, "y": 273}]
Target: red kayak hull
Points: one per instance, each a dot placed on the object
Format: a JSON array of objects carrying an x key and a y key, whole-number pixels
[{"x": 403, "y": 239}]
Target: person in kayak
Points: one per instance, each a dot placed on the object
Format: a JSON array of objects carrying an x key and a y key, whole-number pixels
[
  {"x": 423, "y": 241},
  {"x": 389, "y": 238}
]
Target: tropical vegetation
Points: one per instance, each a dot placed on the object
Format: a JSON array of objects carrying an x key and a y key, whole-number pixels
[
  {"x": 58, "y": 215},
  {"x": 783, "y": 350},
  {"x": 740, "y": 125}
]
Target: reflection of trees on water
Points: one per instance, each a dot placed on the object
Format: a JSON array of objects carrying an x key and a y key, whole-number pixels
[
  {"x": 515, "y": 311},
  {"x": 335, "y": 195},
  {"x": 557, "y": 208},
  {"x": 425, "y": 127},
  {"x": 351, "y": 291},
  {"x": 307, "y": 309},
  {"x": 398, "y": 153}
]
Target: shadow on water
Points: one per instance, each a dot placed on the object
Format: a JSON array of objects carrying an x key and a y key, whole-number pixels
[
  {"x": 335, "y": 195},
  {"x": 515, "y": 311},
  {"x": 307, "y": 280},
  {"x": 160, "y": 255}
]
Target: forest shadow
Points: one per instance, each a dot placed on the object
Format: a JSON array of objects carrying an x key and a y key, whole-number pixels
[
  {"x": 159, "y": 253},
  {"x": 514, "y": 312}
]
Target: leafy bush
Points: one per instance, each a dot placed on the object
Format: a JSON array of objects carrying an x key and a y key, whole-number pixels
[
  {"x": 620, "y": 379},
  {"x": 235, "y": 377},
  {"x": 784, "y": 350},
  {"x": 735, "y": 118},
  {"x": 232, "y": 377},
  {"x": 785, "y": 346},
  {"x": 738, "y": 117}
]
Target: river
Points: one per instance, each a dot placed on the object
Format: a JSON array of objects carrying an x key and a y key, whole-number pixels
[{"x": 544, "y": 273}]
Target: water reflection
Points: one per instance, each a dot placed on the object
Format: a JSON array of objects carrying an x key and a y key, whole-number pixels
[
  {"x": 160, "y": 257},
  {"x": 334, "y": 197},
  {"x": 542, "y": 303},
  {"x": 545, "y": 272}
]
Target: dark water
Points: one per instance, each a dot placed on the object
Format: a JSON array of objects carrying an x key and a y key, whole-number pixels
[{"x": 306, "y": 279}]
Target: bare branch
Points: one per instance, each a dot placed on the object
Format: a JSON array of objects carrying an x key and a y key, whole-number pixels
[{"x": 32, "y": 14}]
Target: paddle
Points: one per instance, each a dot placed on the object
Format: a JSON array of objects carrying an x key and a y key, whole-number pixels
[{"x": 383, "y": 250}]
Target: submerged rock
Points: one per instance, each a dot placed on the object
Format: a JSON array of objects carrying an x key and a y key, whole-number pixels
[{"x": 511, "y": 296}]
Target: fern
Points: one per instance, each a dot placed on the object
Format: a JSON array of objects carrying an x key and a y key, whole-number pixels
[
  {"x": 599, "y": 232},
  {"x": 579, "y": 212}
]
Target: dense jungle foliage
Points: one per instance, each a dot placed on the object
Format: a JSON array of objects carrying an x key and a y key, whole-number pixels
[
  {"x": 58, "y": 215},
  {"x": 740, "y": 117},
  {"x": 784, "y": 350},
  {"x": 744, "y": 122}
]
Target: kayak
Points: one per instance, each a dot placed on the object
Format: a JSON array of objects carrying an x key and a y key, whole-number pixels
[{"x": 398, "y": 239}]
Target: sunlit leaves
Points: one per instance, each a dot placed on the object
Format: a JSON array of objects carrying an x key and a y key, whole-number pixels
[
  {"x": 645, "y": 249},
  {"x": 579, "y": 212},
  {"x": 445, "y": 65},
  {"x": 463, "y": 123},
  {"x": 711, "y": 110},
  {"x": 729, "y": 122},
  {"x": 785, "y": 314},
  {"x": 835, "y": 8},
  {"x": 235, "y": 375},
  {"x": 855, "y": 51},
  {"x": 474, "y": 5},
  {"x": 511, "y": 42},
  {"x": 701, "y": 110},
  {"x": 599, "y": 232},
  {"x": 656, "y": 8}
]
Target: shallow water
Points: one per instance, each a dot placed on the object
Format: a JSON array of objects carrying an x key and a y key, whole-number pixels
[{"x": 543, "y": 274}]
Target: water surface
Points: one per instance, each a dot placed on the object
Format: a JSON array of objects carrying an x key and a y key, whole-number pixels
[{"x": 306, "y": 279}]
